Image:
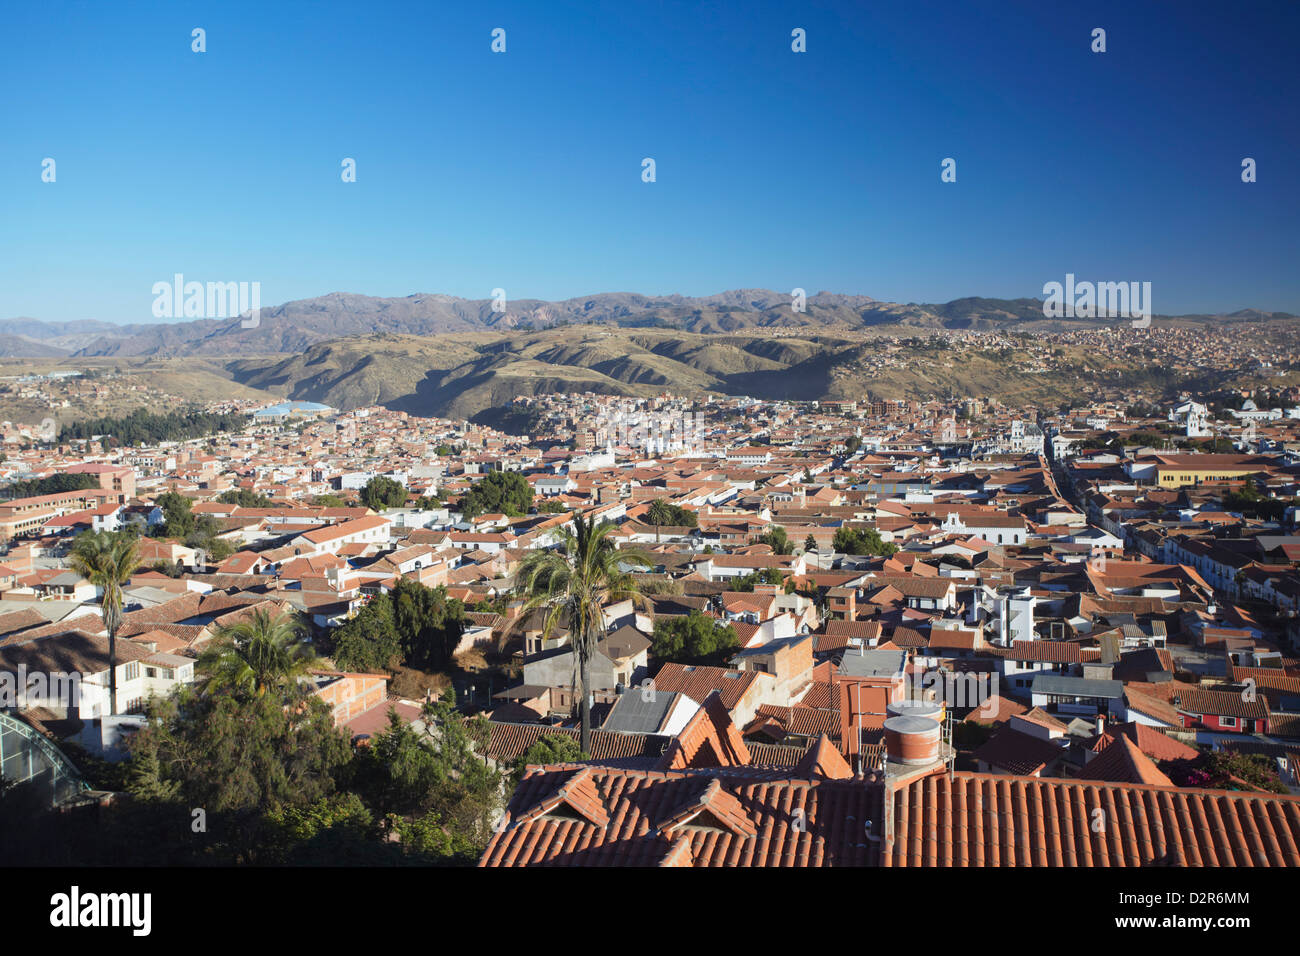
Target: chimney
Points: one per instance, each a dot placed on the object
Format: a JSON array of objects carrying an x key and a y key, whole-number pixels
[{"x": 1101, "y": 724}]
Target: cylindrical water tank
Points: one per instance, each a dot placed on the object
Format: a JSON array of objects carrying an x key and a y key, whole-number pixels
[
  {"x": 912, "y": 740},
  {"x": 915, "y": 708}
]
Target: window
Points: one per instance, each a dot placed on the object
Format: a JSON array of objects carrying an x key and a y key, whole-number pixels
[
  {"x": 132, "y": 670},
  {"x": 1228, "y": 721},
  {"x": 150, "y": 672}
]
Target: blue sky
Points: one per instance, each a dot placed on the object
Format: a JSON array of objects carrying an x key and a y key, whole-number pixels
[{"x": 522, "y": 170}]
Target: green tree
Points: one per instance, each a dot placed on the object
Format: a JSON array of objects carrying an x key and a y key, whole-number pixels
[
  {"x": 107, "y": 559},
  {"x": 659, "y": 514},
  {"x": 383, "y": 492},
  {"x": 204, "y": 534},
  {"x": 776, "y": 538},
  {"x": 142, "y": 427},
  {"x": 329, "y": 501},
  {"x": 693, "y": 639},
  {"x": 245, "y": 498},
  {"x": 547, "y": 749},
  {"x": 862, "y": 541},
  {"x": 1224, "y": 769},
  {"x": 412, "y": 625},
  {"x": 178, "y": 521},
  {"x": 428, "y": 623},
  {"x": 501, "y": 492},
  {"x": 257, "y": 653},
  {"x": 243, "y": 754},
  {"x": 575, "y": 583},
  {"x": 369, "y": 642},
  {"x": 662, "y": 513},
  {"x": 326, "y": 832},
  {"x": 429, "y": 784},
  {"x": 746, "y": 582},
  {"x": 810, "y": 543},
  {"x": 51, "y": 485}
]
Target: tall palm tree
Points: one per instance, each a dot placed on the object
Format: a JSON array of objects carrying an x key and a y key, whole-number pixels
[
  {"x": 258, "y": 652},
  {"x": 659, "y": 513},
  {"x": 575, "y": 582},
  {"x": 107, "y": 559}
]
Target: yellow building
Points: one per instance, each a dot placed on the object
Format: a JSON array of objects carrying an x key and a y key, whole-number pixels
[{"x": 1175, "y": 471}]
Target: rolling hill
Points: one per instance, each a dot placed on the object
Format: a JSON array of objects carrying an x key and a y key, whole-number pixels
[
  {"x": 467, "y": 376},
  {"x": 296, "y": 326}
]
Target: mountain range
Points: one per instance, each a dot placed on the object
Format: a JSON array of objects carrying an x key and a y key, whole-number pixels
[{"x": 296, "y": 326}]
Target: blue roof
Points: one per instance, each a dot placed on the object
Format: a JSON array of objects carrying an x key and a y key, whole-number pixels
[{"x": 284, "y": 408}]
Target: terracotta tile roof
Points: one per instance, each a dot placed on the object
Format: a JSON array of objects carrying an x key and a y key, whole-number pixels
[
  {"x": 709, "y": 739},
  {"x": 1156, "y": 745},
  {"x": 907, "y": 637},
  {"x": 1150, "y": 706},
  {"x": 186, "y": 633},
  {"x": 823, "y": 760},
  {"x": 1122, "y": 760},
  {"x": 1284, "y": 725},
  {"x": 987, "y": 820},
  {"x": 820, "y": 694},
  {"x": 956, "y": 639},
  {"x": 759, "y": 822},
  {"x": 803, "y": 721},
  {"x": 1053, "y": 652},
  {"x": 590, "y": 816},
  {"x": 69, "y": 652},
  {"x": 343, "y": 529},
  {"x": 508, "y": 742},
  {"x": 15, "y": 621},
  {"x": 1043, "y": 719},
  {"x": 89, "y": 622},
  {"x": 869, "y": 630},
  {"x": 775, "y": 755},
  {"x": 1018, "y": 753},
  {"x": 576, "y": 792},
  {"x": 697, "y": 682},
  {"x": 714, "y": 806},
  {"x": 1266, "y": 678},
  {"x": 994, "y": 710},
  {"x": 1222, "y": 702}
]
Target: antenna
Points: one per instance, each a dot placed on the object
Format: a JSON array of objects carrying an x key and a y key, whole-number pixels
[
  {"x": 950, "y": 758},
  {"x": 860, "y": 727}
]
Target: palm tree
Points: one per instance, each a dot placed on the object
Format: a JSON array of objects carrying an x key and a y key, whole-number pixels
[
  {"x": 575, "y": 582},
  {"x": 258, "y": 652},
  {"x": 107, "y": 559},
  {"x": 658, "y": 514}
]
